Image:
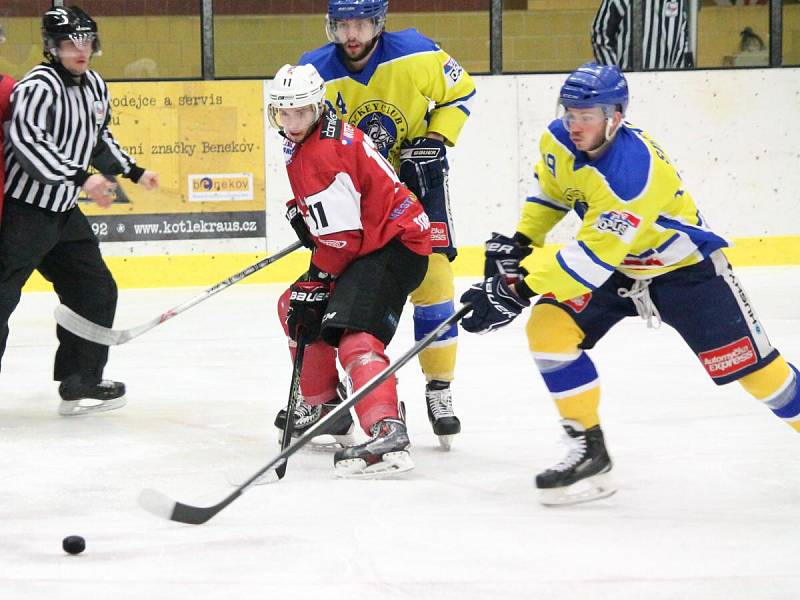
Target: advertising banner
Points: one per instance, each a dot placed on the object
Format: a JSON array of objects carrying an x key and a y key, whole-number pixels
[{"x": 205, "y": 139}]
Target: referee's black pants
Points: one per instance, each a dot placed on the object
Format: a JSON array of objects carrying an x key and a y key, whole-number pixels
[{"x": 63, "y": 248}]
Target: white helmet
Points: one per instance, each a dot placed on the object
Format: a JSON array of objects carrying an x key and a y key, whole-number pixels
[{"x": 295, "y": 87}]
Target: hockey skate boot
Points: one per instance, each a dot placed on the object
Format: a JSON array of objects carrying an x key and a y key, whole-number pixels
[
  {"x": 440, "y": 412},
  {"x": 306, "y": 416},
  {"x": 583, "y": 475},
  {"x": 81, "y": 395},
  {"x": 386, "y": 453}
]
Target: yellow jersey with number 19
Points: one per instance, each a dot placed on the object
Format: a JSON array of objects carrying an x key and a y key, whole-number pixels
[
  {"x": 408, "y": 87},
  {"x": 636, "y": 216}
]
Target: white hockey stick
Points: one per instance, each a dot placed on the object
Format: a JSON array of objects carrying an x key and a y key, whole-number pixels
[{"x": 82, "y": 327}]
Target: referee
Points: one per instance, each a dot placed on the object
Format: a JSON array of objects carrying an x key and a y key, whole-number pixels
[
  {"x": 665, "y": 42},
  {"x": 59, "y": 126}
]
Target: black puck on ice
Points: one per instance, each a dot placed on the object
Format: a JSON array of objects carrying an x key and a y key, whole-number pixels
[{"x": 73, "y": 544}]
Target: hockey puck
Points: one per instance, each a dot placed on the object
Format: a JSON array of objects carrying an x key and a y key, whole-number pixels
[{"x": 73, "y": 544}]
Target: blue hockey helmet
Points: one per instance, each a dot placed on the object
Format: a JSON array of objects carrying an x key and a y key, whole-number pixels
[
  {"x": 595, "y": 85},
  {"x": 357, "y": 9}
]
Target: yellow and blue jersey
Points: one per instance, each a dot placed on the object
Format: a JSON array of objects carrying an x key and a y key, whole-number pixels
[
  {"x": 408, "y": 87},
  {"x": 636, "y": 215}
]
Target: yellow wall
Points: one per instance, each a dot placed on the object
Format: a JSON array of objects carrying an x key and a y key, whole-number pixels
[
  {"x": 259, "y": 45},
  {"x": 552, "y": 35}
]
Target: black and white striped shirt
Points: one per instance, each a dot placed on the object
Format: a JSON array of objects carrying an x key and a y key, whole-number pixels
[
  {"x": 58, "y": 128},
  {"x": 665, "y": 44}
]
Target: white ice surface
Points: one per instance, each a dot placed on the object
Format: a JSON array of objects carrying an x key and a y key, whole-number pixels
[{"x": 708, "y": 505}]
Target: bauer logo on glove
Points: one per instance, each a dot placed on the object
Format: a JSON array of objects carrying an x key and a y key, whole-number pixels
[{"x": 494, "y": 305}]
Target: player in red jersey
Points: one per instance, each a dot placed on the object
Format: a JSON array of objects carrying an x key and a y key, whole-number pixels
[{"x": 371, "y": 240}]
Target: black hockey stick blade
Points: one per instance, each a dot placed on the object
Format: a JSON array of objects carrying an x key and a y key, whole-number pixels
[
  {"x": 294, "y": 395},
  {"x": 161, "y": 505}
]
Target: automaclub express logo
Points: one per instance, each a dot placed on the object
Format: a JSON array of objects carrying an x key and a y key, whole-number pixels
[{"x": 218, "y": 187}]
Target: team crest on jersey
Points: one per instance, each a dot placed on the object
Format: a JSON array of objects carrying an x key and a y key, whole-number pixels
[
  {"x": 619, "y": 222},
  {"x": 382, "y": 122}
]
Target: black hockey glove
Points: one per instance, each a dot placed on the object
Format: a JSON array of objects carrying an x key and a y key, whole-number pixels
[
  {"x": 295, "y": 219},
  {"x": 422, "y": 165},
  {"x": 503, "y": 255},
  {"x": 494, "y": 305},
  {"x": 307, "y": 303}
]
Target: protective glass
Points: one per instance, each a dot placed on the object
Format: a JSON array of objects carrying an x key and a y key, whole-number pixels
[{"x": 363, "y": 30}]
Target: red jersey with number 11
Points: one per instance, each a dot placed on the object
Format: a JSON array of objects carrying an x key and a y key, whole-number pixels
[{"x": 350, "y": 197}]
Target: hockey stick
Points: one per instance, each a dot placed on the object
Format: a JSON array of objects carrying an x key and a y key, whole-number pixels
[
  {"x": 163, "y": 506},
  {"x": 82, "y": 327},
  {"x": 294, "y": 394}
]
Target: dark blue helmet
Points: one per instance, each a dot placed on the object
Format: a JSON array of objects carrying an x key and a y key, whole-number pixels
[
  {"x": 592, "y": 85},
  {"x": 71, "y": 23},
  {"x": 357, "y": 9}
]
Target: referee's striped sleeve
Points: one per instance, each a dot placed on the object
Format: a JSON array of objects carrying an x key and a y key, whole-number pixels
[
  {"x": 611, "y": 34},
  {"x": 34, "y": 147},
  {"x": 107, "y": 146}
]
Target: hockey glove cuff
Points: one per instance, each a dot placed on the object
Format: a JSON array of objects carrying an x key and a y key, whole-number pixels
[
  {"x": 295, "y": 219},
  {"x": 422, "y": 165},
  {"x": 494, "y": 305},
  {"x": 503, "y": 256}
]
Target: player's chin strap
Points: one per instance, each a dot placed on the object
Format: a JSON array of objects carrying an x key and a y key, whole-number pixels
[{"x": 640, "y": 294}]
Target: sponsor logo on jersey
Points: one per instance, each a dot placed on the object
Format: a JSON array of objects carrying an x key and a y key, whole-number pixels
[
  {"x": 398, "y": 211},
  {"x": 331, "y": 128},
  {"x": 636, "y": 261},
  {"x": 452, "y": 72},
  {"x": 288, "y": 151},
  {"x": 577, "y": 304},
  {"x": 382, "y": 122},
  {"x": 723, "y": 361},
  {"x": 439, "y": 235},
  {"x": 217, "y": 187},
  {"x": 619, "y": 222},
  {"x": 334, "y": 243}
]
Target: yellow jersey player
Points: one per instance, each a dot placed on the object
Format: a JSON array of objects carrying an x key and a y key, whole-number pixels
[
  {"x": 642, "y": 248},
  {"x": 412, "y": 99}
]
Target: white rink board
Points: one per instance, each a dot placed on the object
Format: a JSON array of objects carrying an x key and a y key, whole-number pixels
[{"x": 732, "y": 134}]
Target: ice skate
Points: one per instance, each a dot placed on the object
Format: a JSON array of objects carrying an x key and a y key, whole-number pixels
[
  {"x": 340, "y": 433},
  {"x": 583, "y": 475},
  {"x": 445, "y": 423},
  {"x": 81, "y": 396},
  {"x": 385, "y": 454}
]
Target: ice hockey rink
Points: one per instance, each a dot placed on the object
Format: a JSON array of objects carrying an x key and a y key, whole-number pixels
[{"x": 708, "y": 505}]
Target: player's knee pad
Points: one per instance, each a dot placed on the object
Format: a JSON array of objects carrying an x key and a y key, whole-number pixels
[
  {"x": 359, "y": 349},
  {"x": 553, "y": 335},
  {"x": 776, "y": 385}
]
